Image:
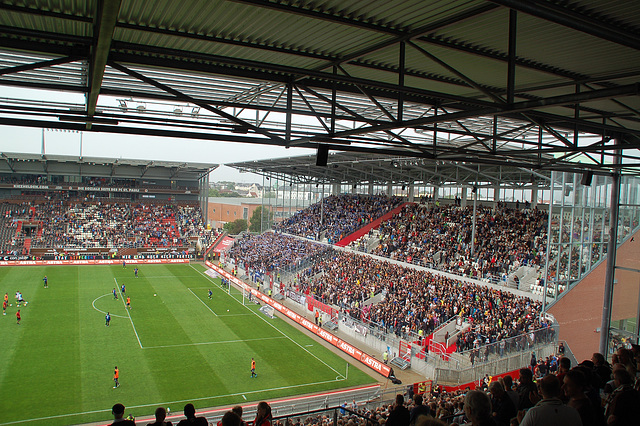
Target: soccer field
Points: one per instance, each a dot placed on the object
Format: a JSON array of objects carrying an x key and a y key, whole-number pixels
[{"x": 175, "y": 345}]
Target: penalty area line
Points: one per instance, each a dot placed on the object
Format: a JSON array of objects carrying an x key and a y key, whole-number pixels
[
  {"x": 207, "y": 306},
  {"x": 128, "y": 314},
  {"x": 214, "y": 343},
  {"x": 279, "y": 331}
]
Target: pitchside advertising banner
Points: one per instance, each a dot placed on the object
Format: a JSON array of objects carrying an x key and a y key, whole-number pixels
[
  {"x": 345, "y": 347},
  {"x": 88, "y": 262}
]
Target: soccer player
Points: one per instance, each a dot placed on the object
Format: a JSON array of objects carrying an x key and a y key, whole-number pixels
[
  {"x": 135, "y": 271},
  {"x": 116, "y": 376},
  {"x": 18, "y": 317},
  {"x": 115, "y": 294},
  {"x": 46, "y": 285},
  {"x": 4, "y": 308},
  {"x": 107, "y": 319},
  {"x": 124, "y": 264},
  {"x": 210, "y": 294},
  {"x": 6, "y": 297},
  {"x": 123, "y": 289},
  {"x": 128, "y": 302},
  {"x": 253, "y": 368}
]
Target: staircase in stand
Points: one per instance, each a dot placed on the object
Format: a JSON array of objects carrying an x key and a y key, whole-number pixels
[{"x": 27, "y": 246}]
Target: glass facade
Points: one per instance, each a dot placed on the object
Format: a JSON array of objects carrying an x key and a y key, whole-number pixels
[{"x": 579, "y": 233}]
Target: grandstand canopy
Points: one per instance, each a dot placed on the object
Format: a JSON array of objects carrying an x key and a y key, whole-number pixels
[
  {"x": 36, "y": 164},
  {"x": 356, "y": 168},
  {"x": 544, "y": 84}
]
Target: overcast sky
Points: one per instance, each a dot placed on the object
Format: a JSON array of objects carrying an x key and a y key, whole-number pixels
[{"x": 29, "y": 140}]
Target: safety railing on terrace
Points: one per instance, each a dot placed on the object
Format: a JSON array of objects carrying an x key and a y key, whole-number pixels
[{"x": 524, "y": 342}]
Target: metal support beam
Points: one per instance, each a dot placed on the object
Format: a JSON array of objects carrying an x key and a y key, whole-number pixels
[
  {"x": 626, "y": 90},
  {"x": 288, "y": 119},
  {"x": 511, "y": 65},
  {"x": 186, "y": 98},
  {"x": 103, "y": 27},
  {"x": 401, "y": 67},
  {"x": 36, "y": 65},
  {"x": 578, "y": 21}
]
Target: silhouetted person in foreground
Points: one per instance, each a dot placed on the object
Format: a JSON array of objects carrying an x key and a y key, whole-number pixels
[{"x": 191, "y": 419}]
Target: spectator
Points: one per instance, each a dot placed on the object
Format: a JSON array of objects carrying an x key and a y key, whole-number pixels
[
  {"x": 160, "y": 414},
  {"x": 507, "y": 383},
  {"x": 399, "y": 415},
  {"x": 503, "y": 408},
  {"x": 230, "y": 419},
  {"x": 263, "y": 415},
  {"x": 477, "y": 408},
  {"x": 623, "y": 405},
  {"x": 527, "y": 391},
  {"x": 118, "y": 415},
  {"x": 418, "y": 409},
  {"x": 550, "y": 411},
  {"x": 191, "y": 419},
  {"x": 574, "y": 387}
]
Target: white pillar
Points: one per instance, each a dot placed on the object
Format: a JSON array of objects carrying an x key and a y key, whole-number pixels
[
  {"x": 411, "y": 190},
  {"x": 371, "y": 189},
  {"x": 463, "y": 198},
  {"x": 534, "y": 195},
  {"x": 335, "y": 189},
  {"x": 389, "y": 189},
  {"x": 496, "y": 196}
]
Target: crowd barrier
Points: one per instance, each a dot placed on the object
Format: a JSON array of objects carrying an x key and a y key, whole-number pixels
[{"x": 345, "y": 347}]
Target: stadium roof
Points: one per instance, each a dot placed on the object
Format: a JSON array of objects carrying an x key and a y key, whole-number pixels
[
  {"x": 16, "y": 163},
  {"x": 539, "y": 84},
  {"x": 360, "y": 168}
]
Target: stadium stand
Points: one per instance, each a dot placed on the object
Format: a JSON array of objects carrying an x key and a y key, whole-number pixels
[
  {"x": 338, "y": 216},
  {"x": 64, "y": 224}
]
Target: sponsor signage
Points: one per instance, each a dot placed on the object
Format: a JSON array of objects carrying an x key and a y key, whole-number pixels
[
  {"x": 88, "y": 262},
  {"x": 96, "y": 188},
  {"x": 345, "y": 347}
]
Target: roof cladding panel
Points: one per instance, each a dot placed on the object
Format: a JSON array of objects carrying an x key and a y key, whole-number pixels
[
  {"x": 228, "y": 21},
  {"x": 577, "y": 66},
  {"x": 78, "y": 23},
  {"x": 602, "y": 56}
]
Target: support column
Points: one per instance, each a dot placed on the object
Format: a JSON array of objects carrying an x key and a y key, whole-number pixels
[
  {"x": 335, "y": 189},
  {"x": 390, "y": 189},
  {"x": 534, "y": 195},
  {"x": 411, "y": 190},
  {"x": 473, "y": 224},
  {"x": 370, "y": 190},
  {"x": 496, "y": 196},
  {"x": 436, "y": 193},
  {"x": 354, "y": 189},
  {"x": 611, "y": 263},
  {"x": 463, "y": 198}
]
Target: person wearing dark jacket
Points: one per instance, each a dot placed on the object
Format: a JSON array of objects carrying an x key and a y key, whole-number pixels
[
  {"x": 419, "y": 409},
  {"x": 399, "y": 415}
]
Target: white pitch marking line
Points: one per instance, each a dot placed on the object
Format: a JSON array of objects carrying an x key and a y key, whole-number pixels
[
  {"x": 207, "y": 306},
  {"x": 100, "y": 297},
  {"x": 213, "y": 343},
  {"x": 245, "y": 398},
  {"x": 171, "y": 402},
  {"x": 125, "y": 308},
  {"x": 280, "y": 331}
]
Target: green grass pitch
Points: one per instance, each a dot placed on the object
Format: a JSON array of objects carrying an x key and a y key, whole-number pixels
[{"x": 173, "y": 348}]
